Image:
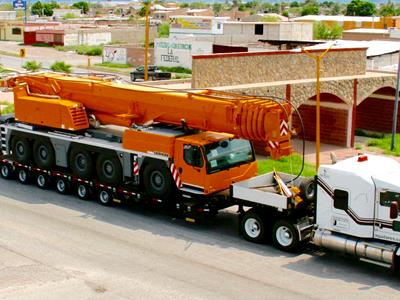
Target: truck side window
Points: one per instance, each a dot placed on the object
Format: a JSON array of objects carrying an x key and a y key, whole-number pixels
[
  {"x": 340, "y": 199},
  {"x": 386, "y": 198},
  {"x": 192, "y": 155}
]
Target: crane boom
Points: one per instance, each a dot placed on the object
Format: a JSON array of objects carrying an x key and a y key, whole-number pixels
[{"x": 247, "y": 117}]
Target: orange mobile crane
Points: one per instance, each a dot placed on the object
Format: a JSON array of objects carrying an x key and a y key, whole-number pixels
[{"x": 114, "y": 140}]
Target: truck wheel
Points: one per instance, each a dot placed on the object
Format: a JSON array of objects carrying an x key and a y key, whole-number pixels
[
  {"x": 109, "y": 169},
  {"x": 285, "y": 236},
  {"x": 21, "y": 150},
  {"x": 307, "y": 190},
  {"x": 253, "y": 227},
  {"x": 43, "y": 154},
  {"x": 81, "y": 163},
  {"x": 83, "y": 191},
  {"x": 62, "y": 186},
  {"x": 23, "y": 176},
  {"x": 158, "y": 181},
  {"x": 42, "y": 181},
  {"x": 6, "y": 171},
  {"x": 105, "y": 198}
]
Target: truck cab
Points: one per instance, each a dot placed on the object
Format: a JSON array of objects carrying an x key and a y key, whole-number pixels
[{"x": 357, "y": 207}]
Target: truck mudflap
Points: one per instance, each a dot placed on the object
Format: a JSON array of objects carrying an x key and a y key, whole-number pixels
[{"x": 304, "y": 228}]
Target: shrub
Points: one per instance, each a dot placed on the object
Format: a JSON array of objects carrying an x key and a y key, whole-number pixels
[
  {"x": 60, "y": 66},
  {"x": 32, "y": 65}
]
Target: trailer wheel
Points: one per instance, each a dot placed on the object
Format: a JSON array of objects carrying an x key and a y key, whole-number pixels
[
  {"x": 158, "y": 181},
  {"x": 109, "y": 169},
  {"x": 6, "y": 171},
  {"x": 83, "y": 191},
  {"x": 62, "y": 186},
  {"x": 81, "y": 163},
  {"x": 43, "y": 154},
  {"x": 307, "y": 190},
  {"x": 253, "y": 227},
  {"x": 105, "y": 198},
  {"x": 285, "y": 236},
  {"x": 21, "y": 150},
  {"x": 42, "y": 181},
  {"x": 23, "y": 176}
]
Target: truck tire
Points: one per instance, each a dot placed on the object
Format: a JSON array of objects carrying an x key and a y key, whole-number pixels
[
  {"x": 62, "y": 186},
  {"x": 109, "y": 169},
  {"x": 42, "y": 181},
  {"x": 81, "y": 163},
  {"x": 23, "y": 176},
  {"x": 158, "y": 181},
  {"x": 83, "y": 191},
  {"x": 21, "y": 150},
  {"x": 285, "y": 236},
  {"x": 105, "y": 198},
  {"x": 253, "y": 227},
  {"x": 6, "y": 171},
  {"x": 44, "y": 155},
  {"x": 307, "y": 190}
]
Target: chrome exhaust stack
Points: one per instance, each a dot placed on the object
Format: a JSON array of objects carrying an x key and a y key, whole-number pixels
[{"x": 386, "y": 255}]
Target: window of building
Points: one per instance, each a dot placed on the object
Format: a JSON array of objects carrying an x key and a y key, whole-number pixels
[
  {"x": 259, "y": 29},
  {"x": 16, "y": 31},
  {"x": 219, "y": 25}
]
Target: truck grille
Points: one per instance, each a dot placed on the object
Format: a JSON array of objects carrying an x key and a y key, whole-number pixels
[{"x": 79, "y": 117}]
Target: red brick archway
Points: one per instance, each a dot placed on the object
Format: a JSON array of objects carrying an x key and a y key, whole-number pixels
[
  {"x": 335, "y": 115},
  {"x": 375, "y": 113}
]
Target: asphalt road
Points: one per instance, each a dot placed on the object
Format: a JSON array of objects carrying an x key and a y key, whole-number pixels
[{"x": 59, "y": 247}]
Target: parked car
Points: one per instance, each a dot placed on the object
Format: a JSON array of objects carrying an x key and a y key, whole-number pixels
[{"x": 154, "y": 73}]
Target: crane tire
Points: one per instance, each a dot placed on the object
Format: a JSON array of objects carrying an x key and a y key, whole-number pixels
[
  {"x": 44, "y": 155},
  {"x": 158, "y": 181},
  {"x": 109, "y": 169},
  {"x": 21, "y": 150},
  {"x": 81, "y": 163}
]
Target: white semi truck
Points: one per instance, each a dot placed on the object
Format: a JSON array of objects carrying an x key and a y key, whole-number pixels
[{"x": 356, "y": 211}]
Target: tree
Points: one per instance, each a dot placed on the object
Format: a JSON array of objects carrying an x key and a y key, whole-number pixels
[
  {"x": 37, "y": 8},
  {"x": 163, "y": 30},
  {"x": 217, "y": 8},
  {"x": 294, "y": 4},
  {"x": 324, "y": 32},
  {"x": 335, "y": 9},
  {"x": 387, "y": 9},
  {"x": 310, "y": 9},
  {"x": 360, "y": 8},
  {"x": 32, "y": 65},
  {"x": 83, "y": 6}
]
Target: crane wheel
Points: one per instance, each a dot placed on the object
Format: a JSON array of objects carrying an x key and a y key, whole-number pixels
[
  {"x": 158, "y": 181},
  {"x": 21, "y": 150},
  {"x": 81, "y": 163},
  {"x": 44, "y": 155},
  {"x": 109, "y": 169}
]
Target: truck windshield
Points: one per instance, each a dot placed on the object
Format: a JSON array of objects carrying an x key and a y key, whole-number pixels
[{"x": 226, "y": 154}]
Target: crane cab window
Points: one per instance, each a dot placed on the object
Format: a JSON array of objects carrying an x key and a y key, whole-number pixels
[{"x": 192, "y": 155}]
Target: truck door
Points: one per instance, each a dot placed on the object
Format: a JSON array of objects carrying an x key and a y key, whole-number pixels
[{"x": 387, "y": 227}]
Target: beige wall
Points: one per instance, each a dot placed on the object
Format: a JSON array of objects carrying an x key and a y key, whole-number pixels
[
  {"x": 132, "y": 35},
  {"x": 246, "y": 68},
  {"x": 358, "y": 36}
]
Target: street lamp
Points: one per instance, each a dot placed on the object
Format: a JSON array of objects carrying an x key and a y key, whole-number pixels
[
  {"x": 146, "y": 43},
  {"x": 318, "y": 59}
]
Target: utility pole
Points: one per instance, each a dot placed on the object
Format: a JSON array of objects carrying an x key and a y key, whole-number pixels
[
  {"x": 318, "y": 59},
  {"x": 396, "y": 106},
  {"x": 146, "y": 46}
]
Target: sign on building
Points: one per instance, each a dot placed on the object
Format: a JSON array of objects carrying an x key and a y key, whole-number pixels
[
  {"x": 192, "y": 23},
  {"x": 19, "y": 4},
  {"x": 115, "y": 55},
  {"x": 175, "y": 52}
]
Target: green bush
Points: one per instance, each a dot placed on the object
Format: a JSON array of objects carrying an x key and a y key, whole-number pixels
[
  {"x": 83, "y": 49},
  {"x": 176, "y": 70},
  {"x": 113, "y": 65},
  {"x": 60, "y": 66},
  {"x": 8, "y": 109},
  {"x": 41, "y": 45},
  {"x": 32, "y": 65}
]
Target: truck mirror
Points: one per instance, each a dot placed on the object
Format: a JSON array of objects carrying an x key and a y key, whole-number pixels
[{"x": 394, "y": 210}]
